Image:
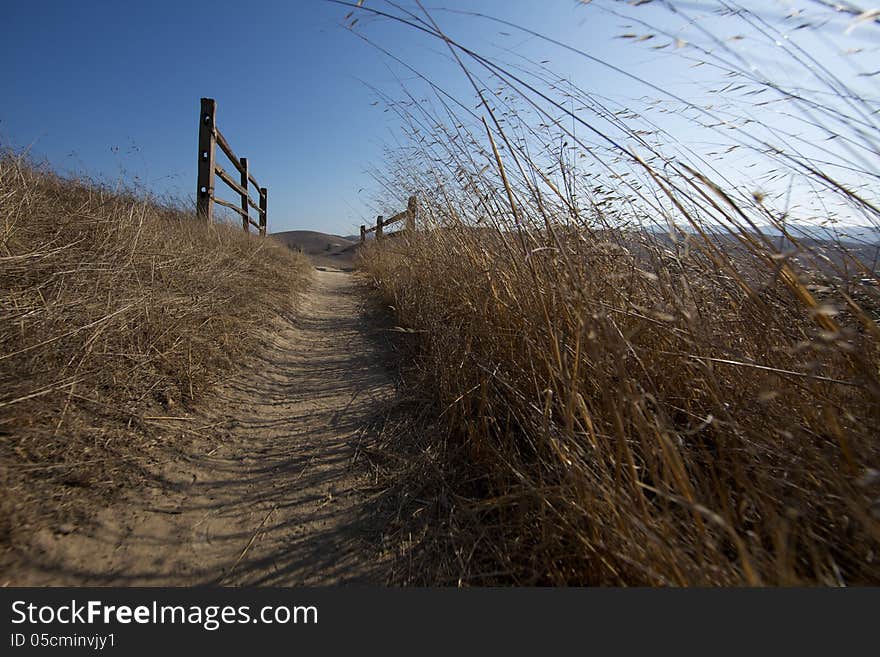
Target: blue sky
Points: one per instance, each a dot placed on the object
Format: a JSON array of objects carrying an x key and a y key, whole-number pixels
[{"x": 112, "y": 88}]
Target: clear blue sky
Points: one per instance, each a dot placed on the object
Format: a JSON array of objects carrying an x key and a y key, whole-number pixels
[{"x": 112, "y": 88}]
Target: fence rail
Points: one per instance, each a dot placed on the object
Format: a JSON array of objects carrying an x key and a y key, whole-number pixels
[
  {"x": 209, "y": 138},
  {"x": 408, "y": 216}
]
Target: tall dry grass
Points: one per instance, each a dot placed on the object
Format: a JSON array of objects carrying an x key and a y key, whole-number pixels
[
  {"x": 613, "y": 403},
  {"x": 115, "y": 309}
]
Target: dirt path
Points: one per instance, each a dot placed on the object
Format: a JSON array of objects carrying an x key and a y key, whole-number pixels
[{"x": 277, "y": 501}]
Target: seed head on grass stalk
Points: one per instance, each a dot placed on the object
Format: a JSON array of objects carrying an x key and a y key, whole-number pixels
[{"x": 632, "y": 380}]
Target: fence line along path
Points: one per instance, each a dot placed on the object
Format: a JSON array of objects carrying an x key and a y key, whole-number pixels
[
  {"x": 209, "y": 138},
  {"x": 408, "y": 216}
]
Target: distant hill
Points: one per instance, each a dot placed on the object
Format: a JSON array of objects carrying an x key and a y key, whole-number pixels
[
  {"x": 856, "y": 234},
  {"x": 323, "y": 249}
]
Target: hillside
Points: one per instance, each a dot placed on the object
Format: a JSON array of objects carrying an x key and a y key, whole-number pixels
[
  {"x": 625, "y": 333},
  {"x": 119, "y": 318},
  {"x": 323, "y": 250}
]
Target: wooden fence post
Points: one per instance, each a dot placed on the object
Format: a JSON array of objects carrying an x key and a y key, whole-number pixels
[
  {"x": 207, "y": 140},
  {"x": 411, "y": 208},
  {"x": 379, "y": 227},
  {"x": 264, "y": 202},
  {"x": 244, "y": 197},
  {"x": 363, "y": 233}
]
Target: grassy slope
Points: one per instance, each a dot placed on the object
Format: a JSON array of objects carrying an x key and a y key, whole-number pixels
[
  {"x": 112, "y": 309},
  {"x": 583, "y": 437},
  {"x": 323, "y": 249}
]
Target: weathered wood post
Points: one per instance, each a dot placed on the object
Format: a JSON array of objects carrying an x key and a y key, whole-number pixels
[
  {"x": 207, "y": 141},
  {"x": 379, "y": 227},
  {"x": 264, "y": 203},
  {"x": 363, "y": 233},
  {"x": 411, "y": 208},
  {"x": 243, "y": 170}
]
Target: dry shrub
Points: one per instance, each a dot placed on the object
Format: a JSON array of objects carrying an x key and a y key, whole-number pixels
[{"x": 114, "y": 307}]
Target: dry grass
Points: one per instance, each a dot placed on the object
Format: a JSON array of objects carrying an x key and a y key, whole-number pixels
[
  {"x": 616, "y": 404},
  {"x": 115, "y": 309},
  {"x": 634, "y": 421}
]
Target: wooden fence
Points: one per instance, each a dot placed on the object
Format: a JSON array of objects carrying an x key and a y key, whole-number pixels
[
  {"x": 408, "y": 216},
  {"x": 209, "y": 137}
]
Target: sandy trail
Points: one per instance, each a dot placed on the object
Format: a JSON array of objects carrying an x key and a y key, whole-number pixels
[{"x": 278, "y": 500}]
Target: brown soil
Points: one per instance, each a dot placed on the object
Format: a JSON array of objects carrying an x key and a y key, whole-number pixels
[{"x": 274, "y": 493}]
